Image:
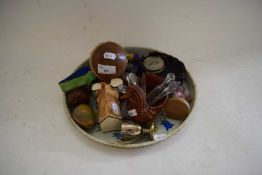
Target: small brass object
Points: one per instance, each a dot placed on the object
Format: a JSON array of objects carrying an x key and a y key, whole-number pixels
[{"x": 131, "y": 131}]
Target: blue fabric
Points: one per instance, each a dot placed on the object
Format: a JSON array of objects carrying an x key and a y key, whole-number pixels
[
  {"x": 167, "y": 124},
  {"x": 76, "y": 74},
  {"x": 117, "y": 135}
]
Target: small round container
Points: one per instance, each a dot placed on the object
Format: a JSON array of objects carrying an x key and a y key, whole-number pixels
[{"x": 154, "y": 64}]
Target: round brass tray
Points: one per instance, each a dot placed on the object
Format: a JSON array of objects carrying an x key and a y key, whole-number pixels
[{"x": 109, "y": 138}]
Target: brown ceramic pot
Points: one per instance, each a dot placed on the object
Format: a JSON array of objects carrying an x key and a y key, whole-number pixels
[{"x": 137, "y": 100}]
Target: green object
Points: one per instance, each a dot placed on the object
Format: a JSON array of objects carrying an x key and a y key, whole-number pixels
[{"x": 85, "y": 79}]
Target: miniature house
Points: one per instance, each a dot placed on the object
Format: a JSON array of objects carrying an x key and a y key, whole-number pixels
[{"x": 109, "y": 110}]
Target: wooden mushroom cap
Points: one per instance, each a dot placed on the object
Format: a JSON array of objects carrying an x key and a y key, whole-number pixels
[
  {"x": 115, "y": 82},
  {"x": 96, "y": 86}
]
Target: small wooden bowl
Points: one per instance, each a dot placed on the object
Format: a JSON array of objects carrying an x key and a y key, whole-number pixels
[{"x": 116, "y": 62}]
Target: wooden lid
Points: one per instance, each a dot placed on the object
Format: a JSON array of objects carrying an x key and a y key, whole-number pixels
[
  {"x": 108, "y": 60},
  {"x": 154, "y": 64},
  {"x": 177, "y": 108}
]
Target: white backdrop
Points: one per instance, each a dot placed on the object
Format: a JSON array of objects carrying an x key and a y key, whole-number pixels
[{"x": 220, "y": 42}]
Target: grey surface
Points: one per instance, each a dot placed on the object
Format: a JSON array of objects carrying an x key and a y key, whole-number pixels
[{"x": 43, "y": 41}]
